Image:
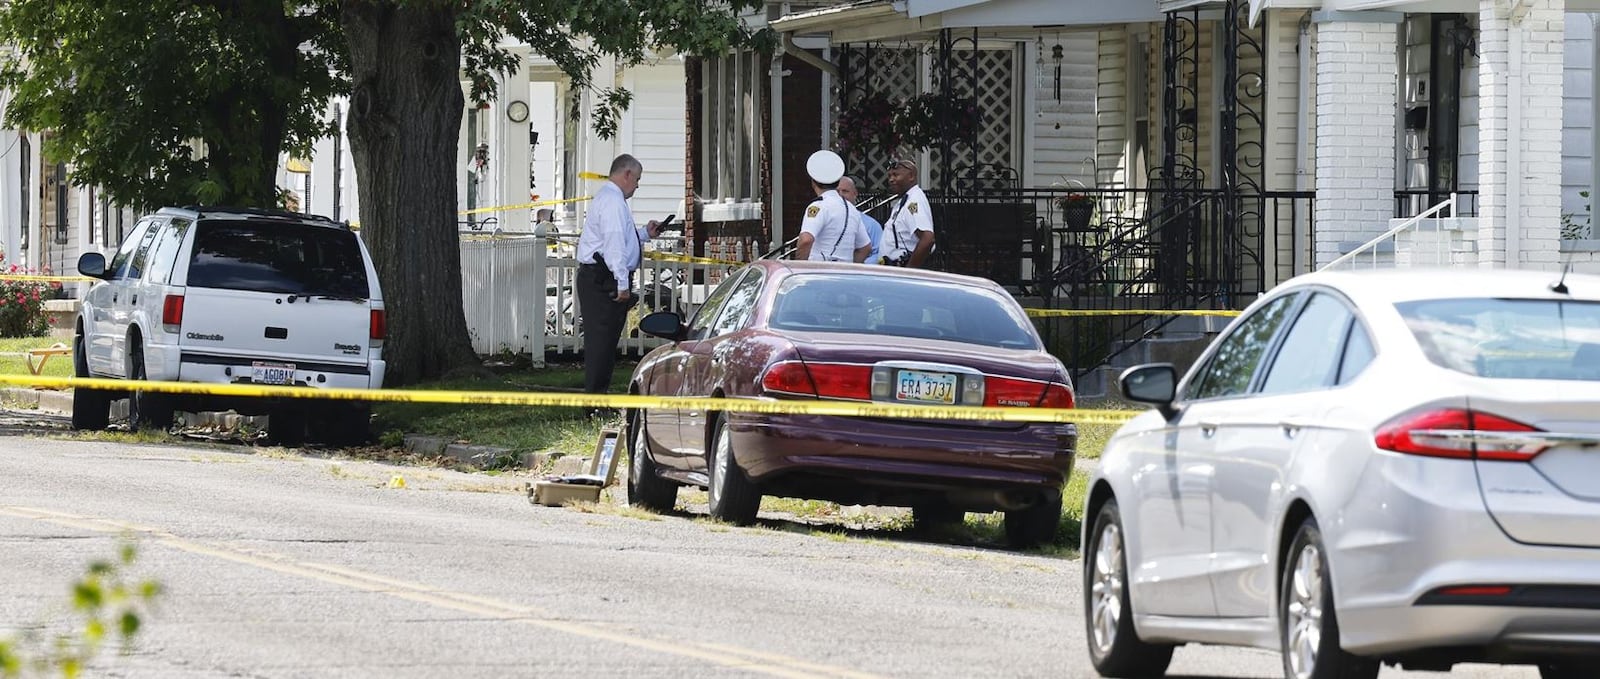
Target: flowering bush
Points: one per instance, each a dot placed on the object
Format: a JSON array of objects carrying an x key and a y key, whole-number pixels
[{"x": 22, "y": 303}]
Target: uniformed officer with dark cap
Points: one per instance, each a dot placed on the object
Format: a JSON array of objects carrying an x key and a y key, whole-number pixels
[{"x": 830, "y": 232}]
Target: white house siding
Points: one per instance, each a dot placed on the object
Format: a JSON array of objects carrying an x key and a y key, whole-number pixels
[
  {"x": 1112, "y": 118},
  {"x": 1577, "y": 120},
  {"x": 11, "y": 216},
  {"x": 653, "y": 131},
  {"x": 1065, "y": 131},
  {"x": 1281, "y": 44}
]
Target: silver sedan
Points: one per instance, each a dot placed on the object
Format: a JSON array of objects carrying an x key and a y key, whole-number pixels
[{"x": 1364, "y": 468}]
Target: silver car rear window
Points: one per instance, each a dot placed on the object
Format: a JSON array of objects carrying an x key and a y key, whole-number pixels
[
  {"x": 884, "y": 305},
  {"x": 1509, "y": 338}
]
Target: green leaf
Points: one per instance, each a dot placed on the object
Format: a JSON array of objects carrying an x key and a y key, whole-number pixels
[
  {"x": 128, "y": 624},
  {"x": 87, "y": 595}
]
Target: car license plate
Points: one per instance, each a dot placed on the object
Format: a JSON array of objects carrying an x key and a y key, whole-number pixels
[
  {"x": 926, "y": 387},
  {"x": 264, "y": 372}
]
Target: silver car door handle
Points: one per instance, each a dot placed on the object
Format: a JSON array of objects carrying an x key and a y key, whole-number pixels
[
  {"x": 1290, "y": 428},
  {"x": 1208, "y": 428}
]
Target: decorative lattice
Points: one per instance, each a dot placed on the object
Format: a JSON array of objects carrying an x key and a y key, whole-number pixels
[
  {"x": 987, "y": 78},
  {"x": 894, "y": 73}
]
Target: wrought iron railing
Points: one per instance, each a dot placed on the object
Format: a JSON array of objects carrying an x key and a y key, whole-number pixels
[
  {"x": 1410, "y": 202},
  {"x": 1135, "y": 250}
]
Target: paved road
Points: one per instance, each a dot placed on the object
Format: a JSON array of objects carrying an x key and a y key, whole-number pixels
[{"x": 283, "y": 566}]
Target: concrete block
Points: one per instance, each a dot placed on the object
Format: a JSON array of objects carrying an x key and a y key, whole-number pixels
[
  {"x": 570, "y": 464},
  {"x": 475, "y": 455},
  {"x": 418, "y": 444}
]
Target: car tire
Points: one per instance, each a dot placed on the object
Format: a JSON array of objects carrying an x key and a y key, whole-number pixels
[
  {"x": 1308, "y": 623},
  {"x": 1115, "y": 648},
  {"x": 646, "y": 488},
  {"x": 1034, "y": 526},
  {"x": 146, "y": 409},
  {"x": 91, "y": 408},
  {"x": 733, "y": 497},
  {"x": 340, "y": 424},
  {"x": 933, "y": 515},
  {"x": 286, "y": 426}
]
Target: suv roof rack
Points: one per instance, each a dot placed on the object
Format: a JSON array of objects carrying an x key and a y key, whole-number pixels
[{"x": 203, "y": 210}]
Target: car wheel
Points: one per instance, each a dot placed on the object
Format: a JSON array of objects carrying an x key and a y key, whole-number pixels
[
  {"x": 646, "y": 488},
  {"x": 1308, "y": 624},
  {"x": 286, "y": 425},
  {"x": 1114, "y": 646},
  {"x": 1034, "y": 526},
  {"x": 91, "y": 408},
  {"x": 734, "y": 498},
  {"x": 147, "y": 409}
]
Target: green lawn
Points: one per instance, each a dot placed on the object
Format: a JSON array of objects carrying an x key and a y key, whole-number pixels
[{"x": 13, "y": 362}]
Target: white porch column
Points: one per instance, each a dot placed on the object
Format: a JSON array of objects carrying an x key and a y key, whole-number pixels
[
  {"x": 1357, "y": 74},
  {"x": 1520, "y": 47},
  {"x": 514, "y": 149}
]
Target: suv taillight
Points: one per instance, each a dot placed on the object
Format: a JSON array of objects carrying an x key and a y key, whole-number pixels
[
  {"x": 172, "y": 313},
  {"x": 1459, "y": 433},
  {"x": 377, "y": 328}
]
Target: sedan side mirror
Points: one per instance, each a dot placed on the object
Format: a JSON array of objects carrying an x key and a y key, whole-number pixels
[
  {"x": 92, "y": 264},
  {"x": 664, "y": 324},
  {"x": 1155, "y": 383}
]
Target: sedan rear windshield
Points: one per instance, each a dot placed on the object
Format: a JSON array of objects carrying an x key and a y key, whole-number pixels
[
  {"x": 296, "y": 259},
  {"x": 884, "y": 305},
  {"x": 1509, "y": 338}
]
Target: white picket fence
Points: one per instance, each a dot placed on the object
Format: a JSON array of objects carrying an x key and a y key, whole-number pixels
[{"x": 517, "y": 292}]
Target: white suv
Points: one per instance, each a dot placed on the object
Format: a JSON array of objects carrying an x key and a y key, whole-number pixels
[{"x": 233, "y": 296}]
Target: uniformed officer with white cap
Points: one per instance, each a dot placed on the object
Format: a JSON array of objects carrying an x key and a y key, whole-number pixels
[{"x": 829, "y": 233}]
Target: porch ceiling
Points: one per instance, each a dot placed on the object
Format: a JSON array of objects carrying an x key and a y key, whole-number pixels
[{"x": 888, "y": 19}]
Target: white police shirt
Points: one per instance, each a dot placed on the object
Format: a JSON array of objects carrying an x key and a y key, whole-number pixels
[
  {"x": 836, "y": 228},
  {"x": 911, "y": 214}
]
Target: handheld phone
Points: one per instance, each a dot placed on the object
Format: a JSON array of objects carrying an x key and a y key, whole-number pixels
[{"x": 666, "y": 222}]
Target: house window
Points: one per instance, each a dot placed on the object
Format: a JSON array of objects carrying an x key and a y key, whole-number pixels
[{"x": 730, "y": 134}]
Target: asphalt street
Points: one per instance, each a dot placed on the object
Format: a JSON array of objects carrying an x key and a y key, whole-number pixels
[{"x": 277, "y": 565}]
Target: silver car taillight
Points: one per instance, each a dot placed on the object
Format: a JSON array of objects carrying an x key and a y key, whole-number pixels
[{"x": 1460, "y": 433}]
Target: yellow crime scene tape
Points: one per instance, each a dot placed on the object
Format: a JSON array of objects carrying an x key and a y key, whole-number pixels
[
  {"x": 524, "y": 206},
  {"x": 620, "y": 401},
  {"x": 45, "y": 279},
  {"x": 1049, "y": 313}
]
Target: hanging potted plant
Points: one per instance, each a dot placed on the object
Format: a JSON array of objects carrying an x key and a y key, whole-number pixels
[
  {"x": 867, "y": 125},
  {"x": 928, "y": 119},
  {"x": 1076, "y": 209}
]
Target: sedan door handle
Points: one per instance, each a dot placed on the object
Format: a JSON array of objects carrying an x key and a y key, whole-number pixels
[{"x": 1208, "y": 428}]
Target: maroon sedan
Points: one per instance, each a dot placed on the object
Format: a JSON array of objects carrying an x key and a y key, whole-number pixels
[{"x": 783, "y": 330}]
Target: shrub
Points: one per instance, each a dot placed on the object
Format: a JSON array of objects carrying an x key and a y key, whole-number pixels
[{"x": 22, "y": 302}]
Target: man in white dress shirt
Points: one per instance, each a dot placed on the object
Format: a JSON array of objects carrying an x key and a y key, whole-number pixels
[
  {"x": 609, "y": 250},
  {"x": 831, "y": 230}
]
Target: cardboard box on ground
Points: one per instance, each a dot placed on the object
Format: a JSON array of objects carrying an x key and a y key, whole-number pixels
[{"x": 560, "y": 490}]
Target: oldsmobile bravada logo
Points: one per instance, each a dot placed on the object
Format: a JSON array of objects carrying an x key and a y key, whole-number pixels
[
  {"x": 203, "y": 336},
  {"x": 347, "y": 348}
]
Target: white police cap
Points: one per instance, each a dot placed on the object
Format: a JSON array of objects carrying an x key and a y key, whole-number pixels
[{"x": 825, "y": 167}]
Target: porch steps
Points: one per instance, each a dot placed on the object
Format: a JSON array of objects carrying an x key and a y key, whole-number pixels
[{"x": 1180, "y": 342}]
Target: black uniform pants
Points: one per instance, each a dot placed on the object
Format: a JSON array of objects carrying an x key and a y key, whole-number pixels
[{"x": 603, "y": 318}]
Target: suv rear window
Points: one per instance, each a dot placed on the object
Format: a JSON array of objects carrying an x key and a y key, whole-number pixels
[
  {"x": 296, "y": 259},
  {"x": 883, "y": 305},
  {"x": 1509, "y": 338}
]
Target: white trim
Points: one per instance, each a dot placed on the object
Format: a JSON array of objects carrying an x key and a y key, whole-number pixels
[{"x": 1029, "y": 110}]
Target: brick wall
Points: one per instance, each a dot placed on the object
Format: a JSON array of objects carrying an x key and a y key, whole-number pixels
[
  {"x": 1356, "y": 92},
  {"x": 1539, "y": 218}
]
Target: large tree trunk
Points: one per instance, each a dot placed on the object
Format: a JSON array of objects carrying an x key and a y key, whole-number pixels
[{"x": 405, "y": 114}]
